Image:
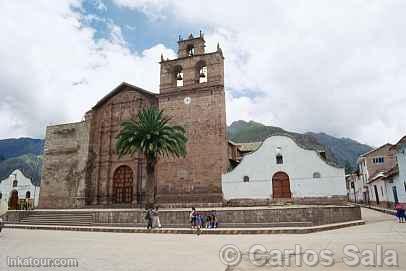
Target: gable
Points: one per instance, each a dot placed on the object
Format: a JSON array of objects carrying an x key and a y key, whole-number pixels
[{"x": 122, "y": 88}]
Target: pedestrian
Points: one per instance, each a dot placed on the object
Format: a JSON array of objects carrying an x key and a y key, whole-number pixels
[
  {"x": 156, "y": 223},
  {"x": 400, "y": 212},
  {"x": 148, "y": 218},
  {"x": 192, "y": 217}
]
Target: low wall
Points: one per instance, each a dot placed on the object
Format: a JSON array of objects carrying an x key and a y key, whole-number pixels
[{"x": 227, "y": 217}]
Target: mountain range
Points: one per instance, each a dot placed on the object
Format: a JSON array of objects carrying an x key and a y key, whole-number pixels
[
  {"x": 26, "y": 153},
  {"x": 342, "y": 151}
]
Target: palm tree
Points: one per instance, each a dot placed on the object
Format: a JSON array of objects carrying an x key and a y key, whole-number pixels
[{"x": 152, "y": 135}]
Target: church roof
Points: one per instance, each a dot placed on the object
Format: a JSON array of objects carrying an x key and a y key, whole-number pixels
[
  {"x": 250, "y": 146},
  {"x": 301, "y": 142},
  {"x": 119, "y": 88}
]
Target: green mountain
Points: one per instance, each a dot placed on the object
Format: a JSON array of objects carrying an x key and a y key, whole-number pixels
[
  {"x": 343, "y": 151},
  {"x": 29, "y": 164},
  {"x": 26, "y": 153},
  {"x": 23, "y": 154},
  {"x": 13, "y": 147}
]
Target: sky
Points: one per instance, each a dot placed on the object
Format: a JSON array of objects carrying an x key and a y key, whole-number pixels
[{"x": 337, "y": 67}]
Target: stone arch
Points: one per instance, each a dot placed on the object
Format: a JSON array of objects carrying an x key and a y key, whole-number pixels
[
  {"x": 201, "y": 72},
  {"x": 281, "y": 186},
  {"x": 123, "y": 185},
  {"x": 178, "y": 76}
]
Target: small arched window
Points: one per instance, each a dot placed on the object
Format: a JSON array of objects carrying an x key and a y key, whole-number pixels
[
  {"x": 179, "y": 76},
  {"x": 246, "y": 179},
  {"x": 15, "y": 183},
  {"x": 190, "y": 50},
  {"x": 279, "y": 159},
  {"x": 201, "y": 72},
  {"x": 28, "y": 195},
  {"x": 316, "y": 175}
]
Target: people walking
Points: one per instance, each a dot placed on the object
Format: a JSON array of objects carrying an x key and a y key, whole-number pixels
[
  {"x": 156, "y": 223},
  {"x": 148, "y": 218},
  {"x": 193, "y": 217},
  {"x": 400, "y": 212}
]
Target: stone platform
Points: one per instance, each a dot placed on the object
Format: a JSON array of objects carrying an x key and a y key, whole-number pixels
[
  {"x": 228, "y": 217},
  {"x": 275, "y": 230}
]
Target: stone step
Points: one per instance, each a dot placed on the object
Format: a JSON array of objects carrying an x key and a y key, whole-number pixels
[
  {"x": 56, "y": 219},
  {"x": 57, "y": 223},
  {"x": 59, "y": 215}
]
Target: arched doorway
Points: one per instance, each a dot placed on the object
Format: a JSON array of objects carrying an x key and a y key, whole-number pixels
[
  {"x": 123, "y": 180},
  {"x": 13, "y": 202},
  {"x": 281, "y": 186}
]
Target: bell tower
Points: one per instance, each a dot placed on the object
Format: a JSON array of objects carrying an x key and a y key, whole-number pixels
[{"x": 192, "y": 94}]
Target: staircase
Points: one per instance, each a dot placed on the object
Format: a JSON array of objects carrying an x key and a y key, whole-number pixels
[{"x": 58, "y": 218}]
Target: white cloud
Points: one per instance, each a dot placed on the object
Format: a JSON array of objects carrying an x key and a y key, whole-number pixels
[
  {"x": 332, "y": 66},
  {"x": 53, "y": 71}
]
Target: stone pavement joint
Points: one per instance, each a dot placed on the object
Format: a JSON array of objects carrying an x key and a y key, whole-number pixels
[{"x": 278, "y": 230}]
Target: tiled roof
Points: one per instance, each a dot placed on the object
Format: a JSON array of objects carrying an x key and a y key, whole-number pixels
[
  {"x": 371, "y": 151},
  {"x": 384, "y": 174},
  {"x": 400, "y": 142},
  {"x": 249, "y": 147}
]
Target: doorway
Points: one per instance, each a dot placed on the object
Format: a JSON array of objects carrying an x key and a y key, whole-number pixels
[{"x": 281, "y": 186}]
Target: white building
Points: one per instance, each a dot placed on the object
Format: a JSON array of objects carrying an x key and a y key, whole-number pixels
[
  {"x": 397, "y": 186},
  {"x": 18, "y": 185},
  {"x": 356, "y": 188},
  {"x": 280, "y": 168}
]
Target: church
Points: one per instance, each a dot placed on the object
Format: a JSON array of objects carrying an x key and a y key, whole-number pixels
[
  {"x": 285, "y": 169},
  {"x": 82, "y": 169}
]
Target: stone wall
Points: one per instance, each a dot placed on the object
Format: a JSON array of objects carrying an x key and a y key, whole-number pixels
[
  {"x": 200, "y": 109},
  {"x": 65, "y": 164},
  {"x": 106, "y": 117},
  {"x": 227, "y": 217}
]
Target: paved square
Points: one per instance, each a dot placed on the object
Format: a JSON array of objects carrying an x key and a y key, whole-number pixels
[{"x": 139, "y": 252}]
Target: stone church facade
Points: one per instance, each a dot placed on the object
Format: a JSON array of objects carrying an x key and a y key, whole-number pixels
[{"x": 82, "y": 169}]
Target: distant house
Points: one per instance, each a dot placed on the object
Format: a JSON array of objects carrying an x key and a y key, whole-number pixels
[
  {"x": 381, "y": 178},
  {"x": 355, "y": 187},
  {"x": 281, "y": 168},
  {"x": 18, "y": 190}
]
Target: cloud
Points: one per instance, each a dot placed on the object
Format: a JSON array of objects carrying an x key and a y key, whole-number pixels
[
  {"x": 53, "y": 70},
  {"x": 332, "y": 66}
]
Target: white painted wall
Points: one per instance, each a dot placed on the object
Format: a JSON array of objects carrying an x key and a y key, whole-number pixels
[
  {"x": 400, "y": 181},
  {"x": 298, "y": 163},
  {"x": 23, "y": 185},
  {"x": 359, "y": 188}
]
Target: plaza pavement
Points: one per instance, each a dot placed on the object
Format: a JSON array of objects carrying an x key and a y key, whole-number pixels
[{"x": 139, "y": 252}]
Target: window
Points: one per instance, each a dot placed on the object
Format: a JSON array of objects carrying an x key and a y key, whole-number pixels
[
  {"x": 381, "y": 191},
  {"x": 404, "y": 183},
  {"x": 246, "y": 179},
  {"x": 28, "y": 195},
  {"x": 190, "y": 50},
  {"x": 1, "y": 195},
  {"x": 378, "y": 160},
  {"x": 279, "y": 159},
  {"x": 179, "y": 76},
  {"x": 15, "y": 183},
  {"x": 203, "y": 74},
  {"x": 316, "y": 175}
]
